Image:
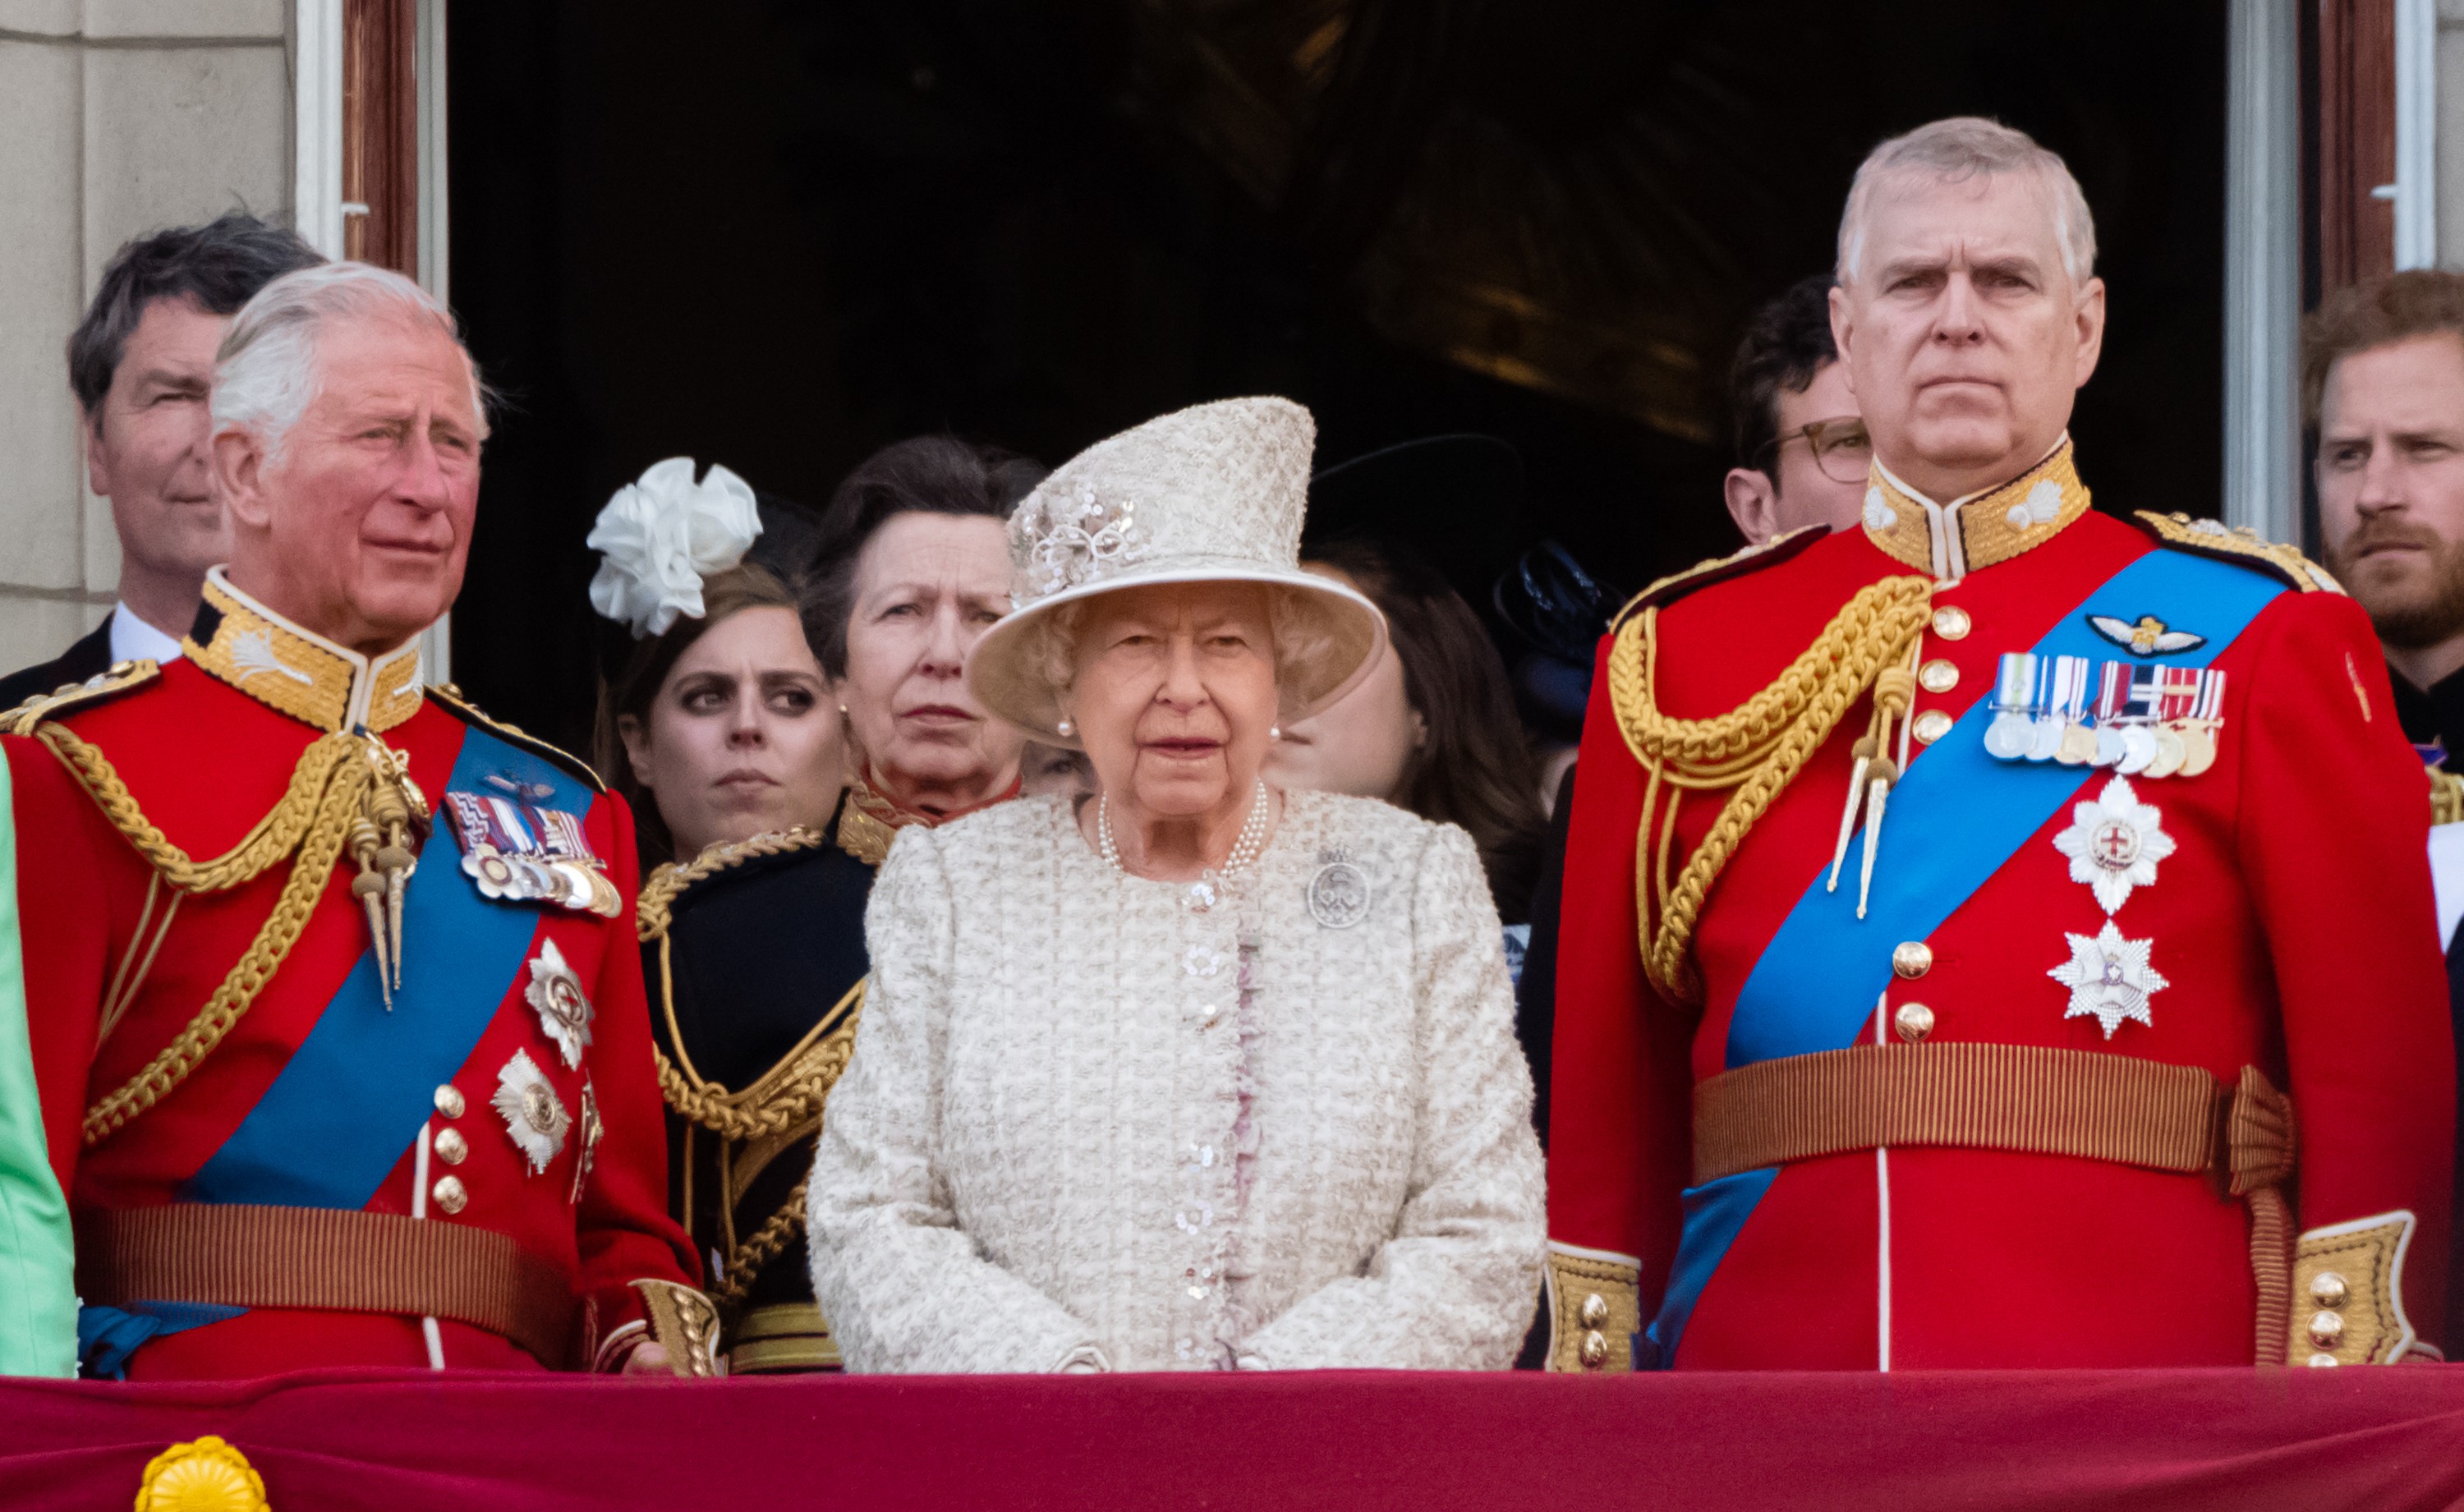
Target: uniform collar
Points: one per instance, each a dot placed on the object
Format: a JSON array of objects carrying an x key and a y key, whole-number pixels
[
  {"x": 871, "y": 819},
  {"x": 240, "y": 641},
  {"x": 1952, "y": 541}
]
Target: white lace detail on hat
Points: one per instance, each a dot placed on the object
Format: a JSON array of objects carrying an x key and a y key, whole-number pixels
[{"x": 661, "y": 534}]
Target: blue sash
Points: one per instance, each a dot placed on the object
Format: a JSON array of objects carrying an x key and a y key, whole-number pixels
[
  {"x": 351, "y": 1099},
  {"x": 1954, "y": 820}
]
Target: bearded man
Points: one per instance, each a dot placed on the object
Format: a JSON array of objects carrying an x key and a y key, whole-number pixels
[
  {"x": 2382, "y": 386},
  {"x": 334, "y": 1071},
  {"x": 2034, "y": 962}
]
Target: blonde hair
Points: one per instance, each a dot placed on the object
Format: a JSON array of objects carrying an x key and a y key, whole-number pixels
[{"x": 1962, "y": 147}]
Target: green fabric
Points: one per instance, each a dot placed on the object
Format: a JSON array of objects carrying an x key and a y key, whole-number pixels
[{"x": 38, "y": 1256}]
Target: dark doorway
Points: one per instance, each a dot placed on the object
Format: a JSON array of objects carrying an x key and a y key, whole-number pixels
[{"x": 779, "y": 234}]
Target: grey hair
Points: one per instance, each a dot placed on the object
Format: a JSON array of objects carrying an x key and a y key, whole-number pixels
[
  {"x": 1961, "y": 147},
  {"x": 1302, "y": 629},
  {"x": 266, "y": 373}
]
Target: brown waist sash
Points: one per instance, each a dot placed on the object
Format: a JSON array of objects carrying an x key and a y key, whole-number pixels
[
  {"x": 326, "y": 1259},
  {"x": 2026, "y": 1099}
]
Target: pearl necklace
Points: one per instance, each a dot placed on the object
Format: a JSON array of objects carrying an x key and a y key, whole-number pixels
[{"x": 1245, "y": 850}]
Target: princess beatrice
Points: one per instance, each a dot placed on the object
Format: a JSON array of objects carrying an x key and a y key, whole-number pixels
[{"x": 1193, "y": 1074}]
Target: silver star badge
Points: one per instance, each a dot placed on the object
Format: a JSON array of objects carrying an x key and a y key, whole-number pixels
[
  {"x": 2114, "y": 844},
  {"x": 534, "y": 1119},
  {"x": 2110, "y": 978},
  {"x": 565, "y": 1012}
]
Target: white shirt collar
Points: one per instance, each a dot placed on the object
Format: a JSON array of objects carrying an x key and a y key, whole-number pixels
[{"x": 133, "y": 640}]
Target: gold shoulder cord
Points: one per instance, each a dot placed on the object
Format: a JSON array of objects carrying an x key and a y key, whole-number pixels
[
  {"x": 1755, "y": 750},
  {"x": 310, "y": 824},
  {"x": 790, "y": 1095}
]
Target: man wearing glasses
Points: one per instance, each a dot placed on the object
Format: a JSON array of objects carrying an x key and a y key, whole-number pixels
[{"x": 1801, "y": 446}]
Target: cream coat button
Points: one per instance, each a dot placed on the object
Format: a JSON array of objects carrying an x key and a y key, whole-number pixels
[
  {"x": 1931, "y": 726},
  {"x": 1950, "y": 623},
  {"x": 1938, "y": 676}
]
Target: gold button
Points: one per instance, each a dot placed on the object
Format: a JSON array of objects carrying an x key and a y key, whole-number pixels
[
  {"x": 1938, "y": 676},
  {"x": 1911, "y": 959},
  {"x": 1595, "y": 1351},
  {"x": 1950, "y": 623},
  {"x": 1596, "y": 1310},
  {"x": 2322, "y": 1361},
  {"x": 2326, "y": 1328},
  {"x": 449, "y": 1100},
  {"x": 1913, "y": 1021},
  {"x": 451, "y": 1147},
  {"x": 450, "y": 1194},
  {"x": 2327, "y": 1289},
  {"x": 1931, "y": 726}
]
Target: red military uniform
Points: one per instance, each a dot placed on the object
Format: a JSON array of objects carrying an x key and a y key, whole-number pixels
[
  {"x": 418, "y": 1170},
  {"x": 2024, "y": 1112}
]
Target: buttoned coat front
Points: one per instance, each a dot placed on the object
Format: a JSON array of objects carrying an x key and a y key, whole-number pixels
[{"x": 1088, "y": 1123}]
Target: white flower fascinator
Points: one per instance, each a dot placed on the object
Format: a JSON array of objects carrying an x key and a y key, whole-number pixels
[{"x": 661, "y": 534}]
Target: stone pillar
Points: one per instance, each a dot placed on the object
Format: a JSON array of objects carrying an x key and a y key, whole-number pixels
[
  {"x": 2448, "y": 161},
  {"x": 116, "y": 118}
]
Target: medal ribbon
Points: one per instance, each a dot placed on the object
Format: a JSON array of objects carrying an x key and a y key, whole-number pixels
[
  {"x": 1816, "y": 985},
  {"x": 350, "y": 1100}
]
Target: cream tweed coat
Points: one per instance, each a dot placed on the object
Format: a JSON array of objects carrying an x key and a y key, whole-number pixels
[{"x": 1087, "y": 1125}]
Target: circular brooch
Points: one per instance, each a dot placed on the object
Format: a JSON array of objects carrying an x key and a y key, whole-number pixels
[{"x": 1338, "y": 895}]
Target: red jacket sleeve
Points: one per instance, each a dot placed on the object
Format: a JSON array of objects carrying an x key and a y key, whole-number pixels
[
  {"x": 2334, "y": 830},
  {"x": 624, "y": 1233},
  {"x": 1621, "y": 1104}
]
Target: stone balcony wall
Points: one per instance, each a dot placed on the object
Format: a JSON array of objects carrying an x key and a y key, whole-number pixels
[{"x": 116, "y": 118}]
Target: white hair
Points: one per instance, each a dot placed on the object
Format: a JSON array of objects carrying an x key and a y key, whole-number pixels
[
  {"x": 266, "y": 372},
  {"x": 1962, "y": 147}
]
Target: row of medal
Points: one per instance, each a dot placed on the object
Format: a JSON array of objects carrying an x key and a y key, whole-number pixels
[{"x": 2135, "y": 718}]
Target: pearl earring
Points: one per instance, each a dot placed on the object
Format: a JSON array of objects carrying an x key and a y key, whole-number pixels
[
  {"x": 843, "y": 708},
  {"x": 1274, "y": 731},
  {"x": 1064, "y": 729}
]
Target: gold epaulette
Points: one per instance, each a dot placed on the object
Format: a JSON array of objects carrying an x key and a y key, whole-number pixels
[
  {"x": 124, "y": 677},
  {"x": 2238, "y": 544},
  {"x": 448, "y": 697},
  {"x": 1719, "y": 569},
  {"x": 2445, "y": 797}
]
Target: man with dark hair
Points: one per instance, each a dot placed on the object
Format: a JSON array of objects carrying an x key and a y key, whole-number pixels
[
  {"x": 1801, "y": 446},
  {"x": 2382, "y": 382},
  {"x": 139, "y": 363}
]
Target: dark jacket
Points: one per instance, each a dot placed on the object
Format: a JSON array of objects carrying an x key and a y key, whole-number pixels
[{"x": 88, "y": 657}]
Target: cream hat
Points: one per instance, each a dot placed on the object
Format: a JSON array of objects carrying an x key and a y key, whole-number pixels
[{"x": 1211, "y": 494}]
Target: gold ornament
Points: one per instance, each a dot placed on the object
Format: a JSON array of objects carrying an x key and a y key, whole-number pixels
[{"x": 205, "y": 1475}]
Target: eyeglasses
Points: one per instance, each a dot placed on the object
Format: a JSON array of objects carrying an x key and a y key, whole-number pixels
[{"x": 1841, "y": 447}]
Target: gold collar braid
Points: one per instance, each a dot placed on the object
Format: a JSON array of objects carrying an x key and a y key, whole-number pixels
[
  {"x": 1752, "y": 751},
  {"x": 296, "y": 671},
  {"x": 1952, "y": 541}
]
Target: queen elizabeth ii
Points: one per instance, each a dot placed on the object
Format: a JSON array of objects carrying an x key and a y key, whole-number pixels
[{"x": 1192, "y": 1073}]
